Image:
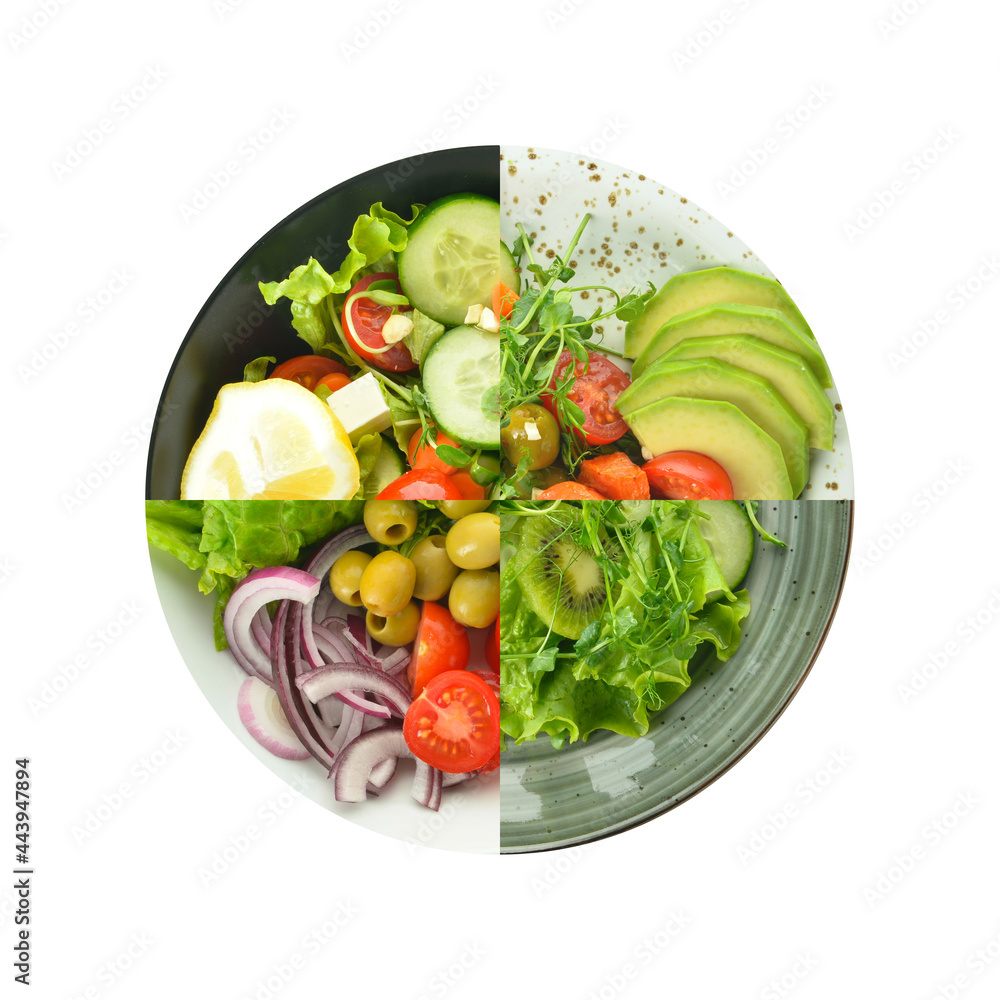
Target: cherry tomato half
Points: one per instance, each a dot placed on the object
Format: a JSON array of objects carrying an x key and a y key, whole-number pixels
[
  {"x": 468, "y": 487},
  {"x": 570, "y": 491},
  {"x": 308, "y": 370},
  {"x": 421, "y": 484},
  {"x": 335, "y": 381},
  {"x": 598, "y": 384},
  {"x": 363, "y": 323},
  {"x": 687, "y": 475},
  {"x": 425, "y": 457},
  {"x": 442, "y": 644},
  {"x": 454, "y": 723}
]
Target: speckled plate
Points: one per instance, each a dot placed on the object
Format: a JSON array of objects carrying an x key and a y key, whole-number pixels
[
  {"x": 639, "y": 231},
  {"x": 558, "y": 798}
]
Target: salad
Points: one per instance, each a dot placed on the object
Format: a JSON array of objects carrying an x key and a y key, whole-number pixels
[
  {"x": 401, "y": 388},
  {"x": 605, "y": 608},
  {"x": 724, "y": 398},
  {"x": 355, "y": 625}
]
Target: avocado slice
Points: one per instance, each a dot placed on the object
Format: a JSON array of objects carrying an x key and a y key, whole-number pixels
[
  {"x": 707, "y": 378},
  {"x": 725, "y": 318},
  {"x": 692, "y": 290},
  {"x": 724, "y": 433},
  {"x": 785, "y": 370}
]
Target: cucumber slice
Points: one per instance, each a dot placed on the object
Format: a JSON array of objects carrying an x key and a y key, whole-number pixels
[
  {"x": 389, "y": 466},
  {"x": 729, "y": 534},
  {"x": 454, "y": 257},
  {"x": 462, "y": 372}
]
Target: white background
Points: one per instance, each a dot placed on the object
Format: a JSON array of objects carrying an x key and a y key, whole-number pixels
[{"x": 881, "y": 883}]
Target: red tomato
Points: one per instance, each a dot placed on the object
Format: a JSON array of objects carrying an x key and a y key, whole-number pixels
[
  {"x": 335, "y": 381},
  {"x": 442, "y": 644},
  {"x": 308, "y": 370},
  {"x": 503, "y": 299},
  {"x": 421, "y": 484},
  {"x": 598, "y": 384},
  {"x": 686, "y": 475},
  {"x": 570, "y": 491},
  {"x": 468, "y": 487},
  {"x": 425, "y": 457},
  {"x": 454, "y": 723},
  {"x": 493, "y": 648},
  {"x": 363, "y": 324}
]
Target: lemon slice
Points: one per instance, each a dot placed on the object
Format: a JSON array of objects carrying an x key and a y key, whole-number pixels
[{"x": 271, "y": 440}]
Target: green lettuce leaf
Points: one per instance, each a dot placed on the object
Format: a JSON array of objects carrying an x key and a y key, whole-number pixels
[
  {"x": 225, "y": 539},
  {"x": 375, "y": 239}
]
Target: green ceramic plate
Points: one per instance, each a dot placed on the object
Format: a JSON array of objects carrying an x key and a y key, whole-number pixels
[{"x": 586, "y": 791}]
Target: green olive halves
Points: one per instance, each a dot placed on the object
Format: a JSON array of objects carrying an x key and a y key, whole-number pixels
[
  {"x": 473, "y": 542},
  {"x": 435, "y": 571},
  {"x": 390, "y": 522},
  {"x": 345, "y": 577},
  {"x": 394, "y": 630},
  {"x": 474, "y": 599},
  {"x": 387, "y": 583}
]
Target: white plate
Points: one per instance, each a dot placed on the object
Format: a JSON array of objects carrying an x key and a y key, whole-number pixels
[
  {"x": 469, "y": 816},
  {"x": 639, "y": 231}
]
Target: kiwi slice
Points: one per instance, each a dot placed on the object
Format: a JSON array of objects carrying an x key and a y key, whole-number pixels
[{"x": 561, "y": 581}]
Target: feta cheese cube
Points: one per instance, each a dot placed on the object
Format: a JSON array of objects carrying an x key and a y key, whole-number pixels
[
  {"x": 361, "y": 408},
  {"x": 472, "y": 316}
]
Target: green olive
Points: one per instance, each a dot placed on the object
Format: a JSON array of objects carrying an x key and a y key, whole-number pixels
[
  {"x": 390, "y": 522},
  {"x": 345, "y": 577},
  {"x": 387, "y": 583},
  {"x": 474, "y": 599},
  {"x": 473, "y": 542},
  {"x": 435, "y": 571},
  {"x": 455, "y": 509},
  {"x": 533, "y": 431},
  {"x": 394, "y": 630}
]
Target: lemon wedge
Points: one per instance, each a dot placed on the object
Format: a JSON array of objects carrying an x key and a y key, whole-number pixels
[{"x": 271, "y": 440}]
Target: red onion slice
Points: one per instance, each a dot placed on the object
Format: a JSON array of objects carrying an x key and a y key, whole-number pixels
[
  {"x": 345, "y": 678},
  {"x": 287, "y": 665},
  {"x": 281, "y": 583},
  {"x": 265, "y": 720},
  {"x": 356, "y": 762},
  {"x": 427, "y": 784},
  {"x": 382, "y": 773}
]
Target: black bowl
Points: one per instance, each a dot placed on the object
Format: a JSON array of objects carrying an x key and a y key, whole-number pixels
[{"x": 235, "y": 325}]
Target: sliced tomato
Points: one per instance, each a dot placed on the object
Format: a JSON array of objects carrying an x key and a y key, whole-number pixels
[
  {"x": 425, "y": 457},
  {"x": 570, "y": 491},
  {"x": 442, "y": 644},
  {"x": 454, "y": 723},
  {"x": 421, "y": 484},
  {"x": 308, "y": 370},
  {"x": 363, "y": 322},
  {"x": 335, "y": 381},
  {"x": 687, "y": 475},
  {"x": 468, "y": 487},
  {"x": 503, "y": 299},
  {"x": 616, "y": 476},
  {"x": 599, "y": 382},
  {"x": 493, "y": 647}
]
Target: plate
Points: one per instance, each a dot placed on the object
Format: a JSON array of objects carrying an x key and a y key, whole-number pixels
[
  {"x": 469, "y": 816},
  {"x": 586, "y": 791},
  {"x": 639, "y": 231}
]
